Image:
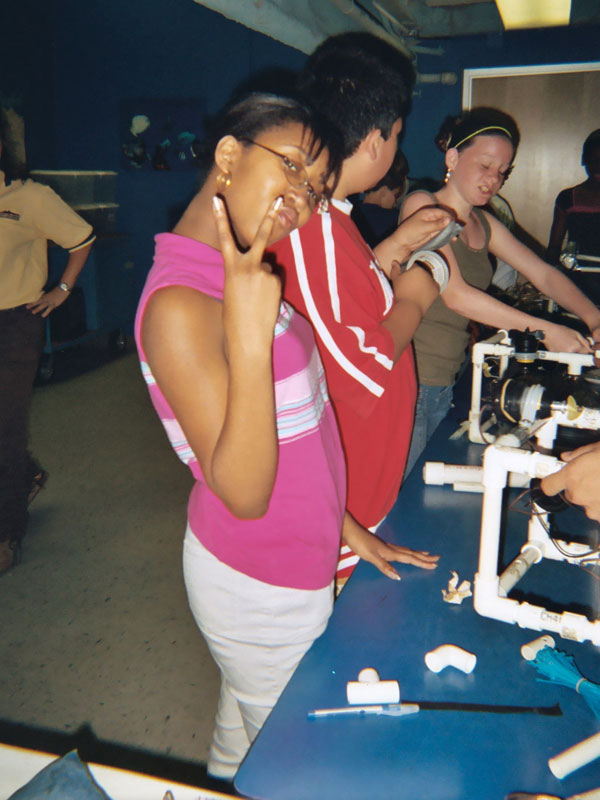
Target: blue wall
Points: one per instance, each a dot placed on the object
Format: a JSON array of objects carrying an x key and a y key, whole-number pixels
[
  {"x": 98, "y": 53},
  {"x": 26, "y": 67},
  {"x": 73, "y": 63}
]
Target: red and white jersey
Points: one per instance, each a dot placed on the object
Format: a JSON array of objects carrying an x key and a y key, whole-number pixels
[{"x": 332, "y": 277}]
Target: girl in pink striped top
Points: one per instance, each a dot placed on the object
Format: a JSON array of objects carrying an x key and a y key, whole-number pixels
[{"x": 237, "y": 381}]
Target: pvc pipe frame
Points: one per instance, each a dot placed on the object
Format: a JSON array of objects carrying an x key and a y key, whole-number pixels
[
  {"x": 497, "y": 345},
  {"x": 489, "y": 589}
]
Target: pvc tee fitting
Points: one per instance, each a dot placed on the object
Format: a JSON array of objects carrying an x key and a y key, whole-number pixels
[{"x": 369, "y": 689}]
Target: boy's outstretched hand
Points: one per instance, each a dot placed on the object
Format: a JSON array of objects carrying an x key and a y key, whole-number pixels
[
  {"x": 411, "y": 234},
  {"x": 579, "y": 479},
  {"x": 371, "y": 548}
]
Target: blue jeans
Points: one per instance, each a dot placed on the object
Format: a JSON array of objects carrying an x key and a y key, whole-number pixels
[{"x": 433, "y": 403}]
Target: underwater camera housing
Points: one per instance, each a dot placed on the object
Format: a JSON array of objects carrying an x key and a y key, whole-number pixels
[{"x": 520, "y": 390}]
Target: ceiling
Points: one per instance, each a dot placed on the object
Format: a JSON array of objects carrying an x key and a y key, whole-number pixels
[{"x": 303, "y": 24}]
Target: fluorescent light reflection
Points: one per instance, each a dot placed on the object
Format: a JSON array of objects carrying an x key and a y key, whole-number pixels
[{"x": 534, "y": 13}]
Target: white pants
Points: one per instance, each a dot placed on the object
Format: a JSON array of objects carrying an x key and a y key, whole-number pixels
[{"x": 257, "y": 633}]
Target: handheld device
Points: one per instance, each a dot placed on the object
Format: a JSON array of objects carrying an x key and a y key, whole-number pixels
[{"x": 444, "y": 236}]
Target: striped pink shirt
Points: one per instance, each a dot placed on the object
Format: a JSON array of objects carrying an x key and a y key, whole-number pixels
[{"x": 296, "y": 543}]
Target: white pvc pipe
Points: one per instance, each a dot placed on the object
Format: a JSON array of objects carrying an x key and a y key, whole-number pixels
[
  {"x": 488, "y": 603},
  {"x": 515, "y": 437},
  {"x": 497, "y": 462},
  {"x": 494, "y": 481},
  {"x": 575, "y": 757},
  {"x": 528, "y": 556},
  {"x": 437, "y": 473},
  {"x": 530, "y": 650},
  {"x": 449, "y": 655},
  {"x": 370, "y": 689},
  {"x": 491, "y": 346},
  {"x": 359, "y": 693},
  {"x": 574, "y": 361}
]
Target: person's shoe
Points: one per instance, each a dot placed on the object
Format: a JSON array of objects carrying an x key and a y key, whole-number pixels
[{"x": 7, "y": 555}]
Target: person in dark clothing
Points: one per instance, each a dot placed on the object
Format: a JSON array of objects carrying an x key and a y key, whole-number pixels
[{"x": 376, "y": 213}]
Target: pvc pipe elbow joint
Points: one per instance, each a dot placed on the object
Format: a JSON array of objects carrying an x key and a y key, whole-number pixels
[{"x": 449, "y": 655}]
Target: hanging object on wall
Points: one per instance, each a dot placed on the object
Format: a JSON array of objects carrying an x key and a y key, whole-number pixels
[{"x": 160, "y": 135}]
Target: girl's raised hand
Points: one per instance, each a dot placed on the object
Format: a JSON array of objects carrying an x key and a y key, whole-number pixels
[{"x": 252, "y": 293}]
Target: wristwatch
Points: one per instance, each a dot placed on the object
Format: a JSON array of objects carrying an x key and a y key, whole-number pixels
[{"x": 65, "y": 287}]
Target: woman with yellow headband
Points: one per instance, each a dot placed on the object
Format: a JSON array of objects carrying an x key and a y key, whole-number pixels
[{"x": 480, "y": 147}]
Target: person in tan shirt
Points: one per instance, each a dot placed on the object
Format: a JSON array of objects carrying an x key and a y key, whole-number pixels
[{"x": 30, "y": 216}]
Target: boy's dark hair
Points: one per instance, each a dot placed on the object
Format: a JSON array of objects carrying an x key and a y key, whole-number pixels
[
  {"x": 12, "y": 168},
  {"x": 248, "y": 116},
  {"x": 592, "y": 141},
  {"x": 360, "y": 82}
]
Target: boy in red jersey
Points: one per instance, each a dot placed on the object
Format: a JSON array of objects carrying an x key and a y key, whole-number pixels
[{"x": 363, "y": 308}]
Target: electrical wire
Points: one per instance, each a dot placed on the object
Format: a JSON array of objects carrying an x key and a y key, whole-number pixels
[
  {"x": 481, "y": 431},
  {"x": 591, "y": 556}
]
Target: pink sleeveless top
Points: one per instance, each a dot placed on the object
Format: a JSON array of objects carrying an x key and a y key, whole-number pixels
[{"x": 296, "y": 543}]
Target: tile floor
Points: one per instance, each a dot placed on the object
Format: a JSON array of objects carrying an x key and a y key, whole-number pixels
[{"x": 97, "y": 642}]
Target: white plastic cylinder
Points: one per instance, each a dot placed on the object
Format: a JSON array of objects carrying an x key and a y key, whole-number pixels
[
  {"x": 530, "y": 650},
  {"x": 464, "y": 477},
  {"x": 575, "y": 757},
  {"x": 528, "y": 556},
  {"x": 437, "y": 473},
  {"x": 369, "y": 689},
  {"x": 449, "y": 655}
]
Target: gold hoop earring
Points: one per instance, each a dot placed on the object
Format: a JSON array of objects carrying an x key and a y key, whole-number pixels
[
  {"x": 448, "y": 173},
  {"x": 223, "y": 181}
]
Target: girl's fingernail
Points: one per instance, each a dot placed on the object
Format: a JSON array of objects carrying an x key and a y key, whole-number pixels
[
  {"x": 278, "y": 203},
  {"x": 394, "y": 576},
  {"x": 217, "y": 204}
]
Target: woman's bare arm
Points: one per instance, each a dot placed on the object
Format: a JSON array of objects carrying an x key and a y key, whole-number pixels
[
  {"x": 481, "y": 307},
  {"x": 543, "y": 276}
]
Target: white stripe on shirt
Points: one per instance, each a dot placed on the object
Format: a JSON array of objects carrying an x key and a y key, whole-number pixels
[
  {"x": 321, "y": 328},
  {"x": 381, "y": 358},
  {"x": 331, "y": 266}
]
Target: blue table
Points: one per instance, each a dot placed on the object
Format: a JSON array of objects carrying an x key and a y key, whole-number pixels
[{"x": 433, "y": 755}]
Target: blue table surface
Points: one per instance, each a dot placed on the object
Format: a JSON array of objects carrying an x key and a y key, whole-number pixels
[{"x": 389, "y": 625}]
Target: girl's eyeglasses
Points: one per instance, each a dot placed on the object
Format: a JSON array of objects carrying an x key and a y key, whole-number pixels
[{"x": 295, "y": 174}]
